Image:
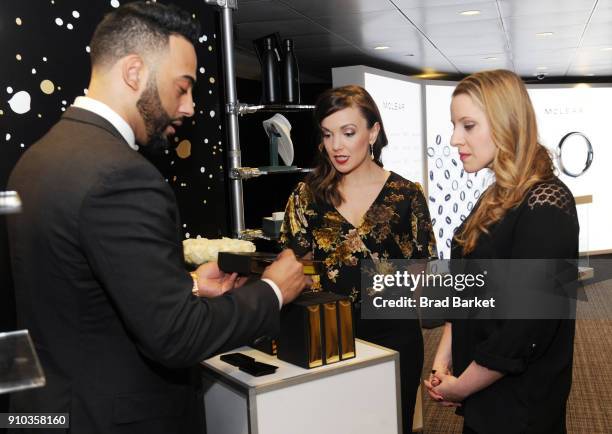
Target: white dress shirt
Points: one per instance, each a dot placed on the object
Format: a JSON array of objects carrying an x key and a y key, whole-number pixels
[{"x": 104, "y": 111}]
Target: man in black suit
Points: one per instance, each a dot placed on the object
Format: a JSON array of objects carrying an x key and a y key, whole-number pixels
[{"x": 96, "y": 253}]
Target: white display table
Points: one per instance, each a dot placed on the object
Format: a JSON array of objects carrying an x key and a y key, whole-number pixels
[{"x": 355, "y": 396}]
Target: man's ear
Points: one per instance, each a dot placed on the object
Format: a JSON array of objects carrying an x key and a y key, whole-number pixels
[{"x": 134, "y": 71}]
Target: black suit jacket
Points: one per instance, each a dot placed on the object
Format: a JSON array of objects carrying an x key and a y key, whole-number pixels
[{"x": 100, "y": 283}]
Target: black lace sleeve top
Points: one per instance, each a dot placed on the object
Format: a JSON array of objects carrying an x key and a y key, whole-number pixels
[{"x": 535, "y": 355}]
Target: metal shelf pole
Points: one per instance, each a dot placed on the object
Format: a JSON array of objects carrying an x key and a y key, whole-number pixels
[{"x": 234, "y": 155}]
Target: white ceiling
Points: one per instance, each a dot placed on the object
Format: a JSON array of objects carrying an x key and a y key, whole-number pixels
[{"x": 430, "y": 36}]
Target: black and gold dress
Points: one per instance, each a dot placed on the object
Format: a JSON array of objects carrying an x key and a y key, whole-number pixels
[{"x": 396, "y": 226}]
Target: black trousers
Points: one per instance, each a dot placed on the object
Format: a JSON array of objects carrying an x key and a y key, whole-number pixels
[{"x": 405, "y": 337}]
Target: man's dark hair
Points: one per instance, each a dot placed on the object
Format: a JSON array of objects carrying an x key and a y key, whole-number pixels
[{"x": 140, "y": 28}]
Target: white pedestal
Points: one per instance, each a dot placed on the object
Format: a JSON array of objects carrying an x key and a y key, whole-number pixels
[{"x": 359, "y": 395}]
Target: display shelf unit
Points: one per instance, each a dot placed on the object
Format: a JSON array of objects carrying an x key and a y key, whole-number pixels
[
  {"x": 325, "y": 400},
  {"x": 253, "y": 234},
  {"x": 20, "y": 368},
  {"x": 244, "y": 109},
  {"x": 233, "y": 110},
  {"x": 254, "y": 172}
]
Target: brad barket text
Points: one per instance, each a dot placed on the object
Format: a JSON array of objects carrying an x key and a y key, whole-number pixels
[{"x": 426, "y": 302}]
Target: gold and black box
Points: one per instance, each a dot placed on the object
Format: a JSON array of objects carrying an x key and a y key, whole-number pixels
[
  {"x": 267, "y": 345},
  {"x": 255, "y": 263},
  {"x": 317, "y": 329}
]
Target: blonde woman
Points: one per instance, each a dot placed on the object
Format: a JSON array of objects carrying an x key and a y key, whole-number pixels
[{"x": 507, "y": 376}]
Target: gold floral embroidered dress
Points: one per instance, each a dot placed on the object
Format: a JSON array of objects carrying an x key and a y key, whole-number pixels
[{"x": 396, "y": 226}]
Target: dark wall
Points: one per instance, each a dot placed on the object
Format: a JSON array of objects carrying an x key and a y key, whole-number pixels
[
  {"x": 267, "y": 194},
  {"x": 48, "y": 64},
  {"x": 45, "y": 59}
]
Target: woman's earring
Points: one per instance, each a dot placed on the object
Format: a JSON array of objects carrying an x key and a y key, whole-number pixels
[{"x": 371, "y": 151}]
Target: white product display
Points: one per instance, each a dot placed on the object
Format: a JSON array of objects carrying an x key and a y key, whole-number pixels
[
  {"x": 355, "y": 396},
  {"x": 280, "y": 125},
  {"x": 584, "y": 110},
  {"x": 452, "y": 193}
]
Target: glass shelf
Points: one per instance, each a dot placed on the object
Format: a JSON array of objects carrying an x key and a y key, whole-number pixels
[
  {"x": 19, "y": 365},
  {"x": 252, "y": 234},
  {"x": 252, "y": 108},
  {"x": 254, "y": 172},
  {"x": 10, "y": 203}
]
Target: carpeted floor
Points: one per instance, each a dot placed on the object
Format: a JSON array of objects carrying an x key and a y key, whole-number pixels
[{"x": 590, "y": 403}]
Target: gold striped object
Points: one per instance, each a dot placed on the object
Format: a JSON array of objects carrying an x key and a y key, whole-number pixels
[
  {"x": 317, "y": 329},
  {"x": 332, "y": 344},
  {"x": 315, "y": 350},
  {"x": 347, "y": 338}
]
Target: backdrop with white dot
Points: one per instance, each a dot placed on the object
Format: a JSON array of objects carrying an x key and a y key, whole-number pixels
[{"x": 44, "y": 53}]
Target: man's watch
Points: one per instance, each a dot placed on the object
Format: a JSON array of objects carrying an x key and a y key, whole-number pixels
[{"x": 194, "y": 290}]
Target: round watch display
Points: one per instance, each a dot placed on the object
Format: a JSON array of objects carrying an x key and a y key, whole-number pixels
[{"x": 574, "y": 148}]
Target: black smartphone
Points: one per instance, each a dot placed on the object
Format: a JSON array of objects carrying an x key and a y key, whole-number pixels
[
  {"x": 257, "y": 369},
  {"x": 237, "y": 359}
]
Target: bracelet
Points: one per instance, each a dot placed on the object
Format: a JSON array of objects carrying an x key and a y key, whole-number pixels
[
  {"x": 589, "y": 154},
  {"x": 194, "y": 290}
]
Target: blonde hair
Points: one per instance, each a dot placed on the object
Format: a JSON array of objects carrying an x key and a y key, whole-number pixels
[{"x": 520, "y": 160}]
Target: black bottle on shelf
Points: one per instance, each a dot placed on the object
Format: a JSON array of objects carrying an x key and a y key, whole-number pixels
[
  {"x": 290, "y": 74},
  {"x": 270, "y": 79}
]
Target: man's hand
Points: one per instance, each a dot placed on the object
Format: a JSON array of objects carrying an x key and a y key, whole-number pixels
[
  {"x": 213, "y": 282},
  {"x": 288, "y": 274}
]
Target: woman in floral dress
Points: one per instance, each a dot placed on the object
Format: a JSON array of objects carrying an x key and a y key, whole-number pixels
[{"x": 351, "y": 209}]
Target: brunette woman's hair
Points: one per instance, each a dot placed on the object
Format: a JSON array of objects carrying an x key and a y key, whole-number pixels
[{"x": 324, "y": 179}]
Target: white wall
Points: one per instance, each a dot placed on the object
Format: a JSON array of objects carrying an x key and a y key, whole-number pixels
[{"x": 400, "y": 105}]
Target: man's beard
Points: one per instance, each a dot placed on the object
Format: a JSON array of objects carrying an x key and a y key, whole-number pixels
[{"x": 155, "y": 118}]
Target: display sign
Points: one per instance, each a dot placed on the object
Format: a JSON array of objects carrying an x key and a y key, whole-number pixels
[
  {"x": 399, "y": 102},
  {"x": 573, "y": 124}
]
